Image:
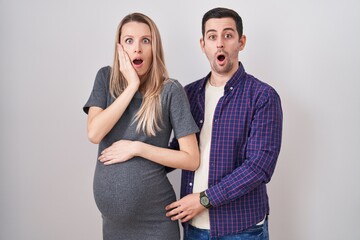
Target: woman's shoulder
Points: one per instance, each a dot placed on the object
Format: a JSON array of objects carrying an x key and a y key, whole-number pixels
[
  {"x": 171, "y": 85},
  {"x": 103, "y": 75},
  {"x": 104, "y": 71},
  {"x": 173, "y": 91}
]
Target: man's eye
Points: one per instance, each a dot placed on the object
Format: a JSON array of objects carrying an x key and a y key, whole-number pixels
[
  {"x": 129, "y": 40},
  {"x": 228, "y": 36},
  {"x": 212, "y": 37}
]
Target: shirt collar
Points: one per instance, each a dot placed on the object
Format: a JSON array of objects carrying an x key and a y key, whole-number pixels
[{"x": 233, "y": 81}]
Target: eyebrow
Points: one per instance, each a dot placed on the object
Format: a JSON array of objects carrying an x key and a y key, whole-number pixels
[
  {"x": 145, "y": 36},
  {"x": 131, "y": 36},
  {"x": 225, "y": 29}
]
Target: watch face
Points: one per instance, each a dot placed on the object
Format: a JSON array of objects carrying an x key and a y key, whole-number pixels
[{"x": 204, "y": 201}]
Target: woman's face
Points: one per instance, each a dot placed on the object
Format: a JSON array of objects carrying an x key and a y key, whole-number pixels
[{"x": 136, "y": 41}]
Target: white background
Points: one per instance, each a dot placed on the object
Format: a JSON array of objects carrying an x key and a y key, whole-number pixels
[{"x": 51, "y": 50}]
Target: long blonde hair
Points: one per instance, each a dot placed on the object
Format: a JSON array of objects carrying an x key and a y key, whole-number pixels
[{"x": 149, "y": 116}]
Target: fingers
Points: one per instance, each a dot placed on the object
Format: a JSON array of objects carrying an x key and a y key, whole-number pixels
[
  {"x": 110, "y": 162},
  {"x": 180, "y": 213},
  {"x": 109, "y": 159},
  {"x": 172, "y": 211},
  {"x": 124, "y": 59},
  {"x": 107, "y": 156},
  {"x": 172, "y": 206},
  {"x": 185, "y": 208},
  {"x": 175, "y": 211},
  {"x": 121, "y": 54},
  {"x": 118, "y": 152},
  {"x": 187, "y": 218},
  {"x": 126, "y": 66}
]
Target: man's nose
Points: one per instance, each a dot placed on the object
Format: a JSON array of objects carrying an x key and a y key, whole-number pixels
[{"x": 220, "y": 43}]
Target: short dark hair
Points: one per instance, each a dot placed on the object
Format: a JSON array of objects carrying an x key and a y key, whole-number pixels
[{"x": 223, "y": 13}]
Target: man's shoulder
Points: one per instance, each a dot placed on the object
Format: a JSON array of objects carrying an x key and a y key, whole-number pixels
[
  {"x": 257, "y": 84},
  {"x": 194, "y": 85},
  {"x": 260, "y": 90}
]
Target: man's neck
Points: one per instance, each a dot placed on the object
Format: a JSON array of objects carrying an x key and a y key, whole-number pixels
[{"x": 219, "y": 80}]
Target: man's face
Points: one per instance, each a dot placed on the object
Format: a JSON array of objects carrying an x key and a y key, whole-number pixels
[{"x": 221, "y": 44}]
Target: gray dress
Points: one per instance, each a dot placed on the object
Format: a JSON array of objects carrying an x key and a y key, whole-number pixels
[{"x": 132, "y": 196}]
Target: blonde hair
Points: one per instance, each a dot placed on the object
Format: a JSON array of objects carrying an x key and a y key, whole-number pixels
[{"x": 149, "y": 116}]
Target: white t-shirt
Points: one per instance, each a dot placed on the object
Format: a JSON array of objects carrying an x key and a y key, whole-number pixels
[{"x": 212, "y": 96}]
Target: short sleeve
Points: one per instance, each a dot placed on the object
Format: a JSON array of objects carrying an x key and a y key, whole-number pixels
[
  {"x": 98, "y": 96},
  {"x": 181, "y": 118}
]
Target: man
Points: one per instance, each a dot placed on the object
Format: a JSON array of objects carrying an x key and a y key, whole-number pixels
[{"x": 240, "y": 119}]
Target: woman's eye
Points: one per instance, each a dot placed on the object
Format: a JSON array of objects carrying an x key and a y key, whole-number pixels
[
  {"x": 146, "y": 40},
  {"x": 129, "y": 40}
]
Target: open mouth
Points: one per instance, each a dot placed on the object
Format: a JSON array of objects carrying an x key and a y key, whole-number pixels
[
  {"x": 137, "y": 61},
  {"x": 221, "y": 57}
]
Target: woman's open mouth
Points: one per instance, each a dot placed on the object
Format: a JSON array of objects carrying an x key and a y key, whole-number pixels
[{"x": 138, "y": 62}]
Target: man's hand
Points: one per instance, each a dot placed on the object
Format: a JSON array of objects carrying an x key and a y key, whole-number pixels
[{"x": 185, "y": 208}]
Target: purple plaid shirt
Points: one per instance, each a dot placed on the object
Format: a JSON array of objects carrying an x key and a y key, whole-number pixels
[{"x": 245, "y": 145}]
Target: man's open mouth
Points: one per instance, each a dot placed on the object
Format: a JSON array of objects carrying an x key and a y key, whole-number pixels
[{"x": 221, "y": 57}]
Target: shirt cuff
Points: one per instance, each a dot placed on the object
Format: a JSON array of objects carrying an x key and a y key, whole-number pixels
[{"x": 216, "y": 195}]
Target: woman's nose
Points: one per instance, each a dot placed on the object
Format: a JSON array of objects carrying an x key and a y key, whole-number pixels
[{"x": 137, "y": 47}]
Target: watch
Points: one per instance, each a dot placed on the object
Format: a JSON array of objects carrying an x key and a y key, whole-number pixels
[{"x": 204, "y": 200}]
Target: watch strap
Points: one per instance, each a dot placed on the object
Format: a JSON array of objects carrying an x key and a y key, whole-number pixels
[{"x": 204, "y": 200}]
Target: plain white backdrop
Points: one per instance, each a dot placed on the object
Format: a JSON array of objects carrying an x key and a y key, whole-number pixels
[{"x": 51, "y": 50}]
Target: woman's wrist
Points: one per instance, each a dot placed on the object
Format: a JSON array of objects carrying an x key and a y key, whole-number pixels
[
  {"x": 133, "y": 86},
  {"x": 136, "y": 147}
]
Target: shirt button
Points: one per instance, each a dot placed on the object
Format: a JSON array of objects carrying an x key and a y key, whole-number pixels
[
  {"x": 231, "y": 88},
  {"x": 190, "y": 184},
  {"x": 215, "y": 120},
  {"x": 201, "y": 121}
]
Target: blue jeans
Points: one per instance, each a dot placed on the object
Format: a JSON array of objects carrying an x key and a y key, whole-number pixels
[{"x": 257, "y": 232}]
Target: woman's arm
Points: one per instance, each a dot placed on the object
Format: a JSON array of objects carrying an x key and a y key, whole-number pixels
[
  {"x": 101, "y": 121},
  {"x": 186, "y": 158}
]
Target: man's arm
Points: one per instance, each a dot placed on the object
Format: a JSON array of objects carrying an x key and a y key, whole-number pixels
[
  {"x": 262, "y": 150},
  {"x": 263, "y": 147}
]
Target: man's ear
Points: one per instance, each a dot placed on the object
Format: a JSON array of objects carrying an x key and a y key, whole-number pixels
[
  {"x": 202, "y": 44},
  {"x": 242, "y": 42}
]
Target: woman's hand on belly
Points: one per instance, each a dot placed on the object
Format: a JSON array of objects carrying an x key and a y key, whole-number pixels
[{"x": 118, "y": 152}]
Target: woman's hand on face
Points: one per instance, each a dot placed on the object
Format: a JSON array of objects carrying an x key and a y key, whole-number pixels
[
  {"x": 126, "y": 67},
  {"x": 118, "y": 152}
]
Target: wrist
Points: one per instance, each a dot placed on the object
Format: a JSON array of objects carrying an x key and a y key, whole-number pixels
[
  {"x": 137, "y": 148},
  {"x": 204, "y": 200},
  {"x": 133, "y": 86}
]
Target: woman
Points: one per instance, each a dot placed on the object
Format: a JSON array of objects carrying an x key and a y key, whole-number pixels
[{"x": 132, "y": 110}]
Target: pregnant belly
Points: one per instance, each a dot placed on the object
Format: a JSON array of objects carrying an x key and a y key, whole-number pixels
[{"x": 126, "y": 190}]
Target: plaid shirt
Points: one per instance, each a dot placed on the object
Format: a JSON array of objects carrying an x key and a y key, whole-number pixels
[{"x": 245, "y": 144}]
